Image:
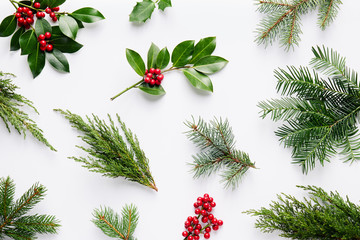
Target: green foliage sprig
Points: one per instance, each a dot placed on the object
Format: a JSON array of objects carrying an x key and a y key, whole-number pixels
[
  {"x": 13, "y": 221},
  {"x": 109, "y": 153},
  {"x": 143, "y": 10},
  {"x": 321, "y": 216},
  {"x": 62, "y": 37},
  {"x": 282, "y": 21},
  {"x": 321, "y": 115},
  {"x": 217, "y": 144},
  {"x": 195, "y": 61},
  {"x": 11, "y": 114},
  {"x": 115, "y": 226}
]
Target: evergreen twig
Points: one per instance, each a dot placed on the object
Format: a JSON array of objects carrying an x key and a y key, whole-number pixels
[
  {"x": 109, "y": 153},
  {"x": 217, "y": 144}
]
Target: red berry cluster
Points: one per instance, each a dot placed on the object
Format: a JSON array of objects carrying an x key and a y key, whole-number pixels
[
  {"x": 43, "y": 41},
  {"x": 51, "y": 12},
  {"x": 25, "y": 17},
  {"x": 153, "y": 76},
  {"x": 203, "y": 208}
]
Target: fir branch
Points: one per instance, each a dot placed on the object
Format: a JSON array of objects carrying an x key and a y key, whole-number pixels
[
  {"x": 13, "y": 223},
  {"x": 11, "y": 114},
  {"x": 113, "y": 226},
  {"x": 321, "y": 216},
  {"x": 321, "y": 115},
  {"x": 108, "y": 152},
  {"x": 217, "y": 145}
]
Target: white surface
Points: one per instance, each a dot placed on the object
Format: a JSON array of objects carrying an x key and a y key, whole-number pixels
[{"x": 100, "y": 70}]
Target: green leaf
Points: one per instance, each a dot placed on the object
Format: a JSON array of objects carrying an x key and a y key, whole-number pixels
[
  {"x": 53, "y": 3},
  {"x": 142, "y": 11},
  {"x": 80, "y": 23},
  {"x": 204, "y": 47},
  {"x": 15, "y": 40},
  {"x": 68, "y": 26},
  {"x": 88, "y": 15},
  {"x": 58, "y": 60},
  {"x": 8, "y": 26},
  {"x": 135, "y": 61},
  {"x": 198, "y": 80},
  {"x": 152, "y": 56},
  {"x": 64, "y": 43},
  {"x": 36, "y": 61},
  {"x": 28, "y": 42},
  {"x": 210, "y": 64},
  {"x": 181, "y": 54},
  {"x": 153, "y": 90},
  {"x": 42, "y": 26},
  {"x": 164, "y": 4},
  {"x": 163, "y": 58}
]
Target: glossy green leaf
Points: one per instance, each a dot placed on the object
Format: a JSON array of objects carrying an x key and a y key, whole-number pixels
[
  {"x": 88, "y": 15},
  {"x": 153, "y": 90},
  {"x": 64, "y": 43},
  {"x": 142, "y": 11},
  {"x": 58, "y": 60},
  {"x": 68, "y": 26},
  {"x": 164, "y": 4},
  {"x": 36, "y": 61},
  {"x": 135, "y": 61},
  {"x": 152, "y": 56},
  {"x": 15, "y": 40},
  {"x": 80, "y": 23},
  {"x": 163, "y": 58},
  {"x": 210, "y": 64},
  {"x": 205, "y": 47},
  {"x": 198, "y": 79},
  {"x": 28, "y": 42},
  {"x": 42, "y": 26},
  {"x": 182, "y": 53},
  {"x": 8, "y": 26},
  {"x": 53, "y": 3}
]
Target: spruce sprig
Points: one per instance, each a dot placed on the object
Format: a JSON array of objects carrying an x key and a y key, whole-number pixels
[
  {"x": 321, "y": 216},
  {"x": 217, "y": 144},
  {"x": 11, "y": 113},
  {"x": 115, "y": 226},
  {"x": 108, "y": 152},
  {"x": 13, "y": 223},
  {"x": 282, "y": 19},
  {"x": 321, "y": 115}
]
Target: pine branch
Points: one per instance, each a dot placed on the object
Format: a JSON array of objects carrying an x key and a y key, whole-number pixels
[
  {"x": 115, "y": 227},
  {"x": 321, "y": 216},
  {"x": 13, "y": 223},
  {"x": 283, "y": 19},
  {"x": 320, "y": 115},
  {"x": 108, "y": 152},
  {"x": 11, "y": 114},
  {"x": 217, "y": 145}
]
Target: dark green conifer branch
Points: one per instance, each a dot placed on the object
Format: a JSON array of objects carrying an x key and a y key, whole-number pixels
[
  {"x": 115, "y": 226},
  {"x": 322, "y": 216},
  {"x": 108, "y": 152},
  {"x": 11, "y": 114},
  {"x": 217, "y": 144},
  {"x": 321, "y": 115},
  {"x": 13, "y": 223}
]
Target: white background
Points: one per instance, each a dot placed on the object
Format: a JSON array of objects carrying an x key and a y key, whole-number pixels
[{"x": 100, "y": 70}]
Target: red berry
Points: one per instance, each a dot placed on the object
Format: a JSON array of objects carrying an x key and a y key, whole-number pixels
[
  {"x": 204, "y": 219},
  {"x": 203, "y": 212},
  {"x": 42, "y": 14},
  {"x": 215, "y": 227},
  {"x": 187, "y": 224},
  {"x": 197, "y": 211},
  {"x": 199, "y": 203},
  {"x": 37, "y": 5},
  {"x": 26, "y": 25},
  {"x": 190, "y": 218},
  {"x": 54, "y": 19},
  {"x": 47, "y": 35},
  {"x": 206, "y": 195},
  {"x": 190, "y": 229},
  {"x": 52, "y": 15},
  {"x": 211, "y": 217},
  {"x": 190, "y": 237},
  {"x": 48, "y": 10},
  {"x": 147, "y": 80},
  {"x": 214, "y": 221},
  {"x": 152, "y": 82},
  {"x": 21, "y": 20},
  {"x": 29, "y": 13},
  {"x": 42, "y": 43},
  {"x": 196, "y": 220},
  {"x": 17, "y": 15},
  {"x": 198, "y": 227},
  {"x": 211, "y": 199},
  {"x": 206, "y": 235},
  {"x": 199, "y": 199},
  {"x": 49, "y": 48},
  {"x": 160, "y": 77},
  {"x": 195, "y": 205},
  {"x": 41, "y": 37},
  {"x": 152, "y": 70},
  {"x": 196, "y": 231},
  {"x": 20, "y": 10},
  {"x": 149, "y": 75},
  {"x": 209, "y": 209},
  {"x": 29, "y": 20},
  {"x": 206, "y": 199},
  {"x": 206, "y": 205},
  {"x": 56, "y": 9},
  {"x": 207, "y": 229},
  {"x": 185, "y": 233},
  {"x": 39, "y": 15},
  {"x": 25, "y": 9},
  {"x": 220, "y": 222},
  {"x": 212, "y": 204},
  {"x": 20, "y": 24},
  {"x": 157, "y": 82},
  {"x": 42, "y": 48},
  {"x": 196, "y": 237},
  {"x": 157, "y": 71},
  {"x": 146, "y": 71}
]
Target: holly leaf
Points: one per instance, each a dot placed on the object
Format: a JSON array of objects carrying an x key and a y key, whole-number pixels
[
  {"x": 142, "y": 11},
  {"x": 210, "y": 64},
  {"x": 198, "y": 79},
  {"x": 28, "y": 42},
  {"x": 68, "y": 26},
  {"x": 152, "y": 56},
  {"x": 64, "y": 43},
  {"x": 205, "y": 47},
  {"x": 58, "y": 60},
  {"x": 163, "y": 58},
  {"x": 135, "y": 61},
  {"x": 88, "y": 15},
  {"x": 8, "y": 26},
  {"x": 182, "y": 53},
  {"x": 42, "y": 26},
  {"x": 36, "y": 61},
  {"x": 15, "y": 40},
  {"x": 153, "y": 90},
  {"x": 53, "y": 3},
  {"x": 164, "y": 4}
]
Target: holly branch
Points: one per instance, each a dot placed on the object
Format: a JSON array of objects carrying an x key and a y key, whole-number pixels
[{"x": 143, "y": 10}]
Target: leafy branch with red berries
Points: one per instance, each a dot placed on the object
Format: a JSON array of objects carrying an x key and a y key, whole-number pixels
[
  {"x": 195, "y": 61},
  {"x": 143, "y": 10},
  {"x": 40, "y": 40}
]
